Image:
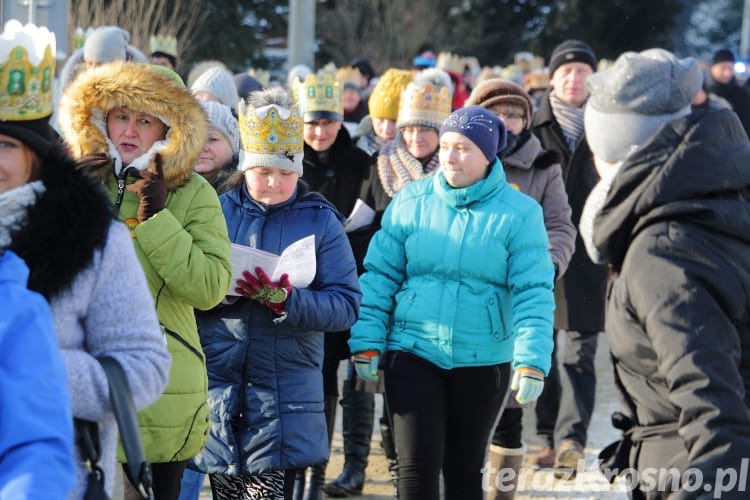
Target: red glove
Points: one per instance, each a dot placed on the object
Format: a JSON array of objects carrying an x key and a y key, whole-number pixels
[
  {"x": 270, "y": 294},
  {"x": 151, "y": 189}
]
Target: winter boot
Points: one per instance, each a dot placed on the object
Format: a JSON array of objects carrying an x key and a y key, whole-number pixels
[
  {"x": 299, "y": 485},
  {"x": 357, "y": 432},
  {"x": 505, "y": 466}
]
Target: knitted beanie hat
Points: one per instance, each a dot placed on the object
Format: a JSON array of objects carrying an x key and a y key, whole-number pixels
[
  {"x": 218, "y": 82},
  {"x": 106, "y": 44},
  {"x": 571, "y": 51},
  {"x": 480, "y": 126},
  {"x": 497, "y": 91},
  {"x": 722, "y": 55},
  {"x": 386, "y": 94},
  {"x": 638, "y": 94},
  {"x": 220, "y": 117}
]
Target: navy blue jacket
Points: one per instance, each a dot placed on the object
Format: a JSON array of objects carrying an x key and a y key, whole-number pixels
[{"x": 265, "y": 379}]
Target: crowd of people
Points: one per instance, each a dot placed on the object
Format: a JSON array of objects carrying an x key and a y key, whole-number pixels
[{"x": 459, "y": 238}]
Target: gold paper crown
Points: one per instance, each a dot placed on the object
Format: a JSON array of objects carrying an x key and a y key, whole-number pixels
[
  {"x": 450, "y": 62},
  {"x": 263, "y": 76},
  {"x": 79, "y": 37},
  {"x": 164, "y": 43},
  {"x": 348, "y": 75},
  {"x": 268, "y": 132},
  {"x": 319, "y": 97},
  {"x": 386, "y": 95},
  {"x": 426, "y": 106},
  {"x": 27, "y": 70}
]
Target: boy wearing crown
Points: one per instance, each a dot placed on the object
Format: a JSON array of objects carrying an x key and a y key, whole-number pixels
[
  {"x": 334, "y": 167},
  {"x": 264, "y": 349}
]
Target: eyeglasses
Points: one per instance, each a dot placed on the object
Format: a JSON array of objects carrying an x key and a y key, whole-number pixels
[{"x": 510, "y": 116}]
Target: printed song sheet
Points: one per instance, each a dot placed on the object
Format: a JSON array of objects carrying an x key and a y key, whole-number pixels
[{"x": 297, "y": 260}]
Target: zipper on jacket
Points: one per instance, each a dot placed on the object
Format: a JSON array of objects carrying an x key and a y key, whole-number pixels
[{"x": 121, "y": 186}]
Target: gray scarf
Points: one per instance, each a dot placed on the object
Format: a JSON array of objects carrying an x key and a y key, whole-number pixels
[
  {"x": 570, "y": 120},
  {"x": 13, "y": 207}
]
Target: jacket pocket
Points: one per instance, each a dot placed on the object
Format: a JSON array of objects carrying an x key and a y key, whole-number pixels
[
  {"x": 498, "y": 330},
  {"x": 404, "y": 303}
]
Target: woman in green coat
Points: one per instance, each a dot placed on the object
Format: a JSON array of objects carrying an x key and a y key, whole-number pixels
[{"x": 143, "y": 132}]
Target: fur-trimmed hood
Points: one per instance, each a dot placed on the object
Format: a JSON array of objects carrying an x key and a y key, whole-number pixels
[{"x": 139, "y": 87}]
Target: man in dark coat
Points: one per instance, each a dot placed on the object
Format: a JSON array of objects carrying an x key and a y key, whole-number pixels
[
  {"x": 580, "y": 292},
  {"x": 671, "y": 217},
  {"x": 723, "y": 83}
]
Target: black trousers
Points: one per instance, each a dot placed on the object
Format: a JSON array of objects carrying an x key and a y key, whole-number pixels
[
  {"x": 442, "y": 420},
  {"x": 167, "y": 478}
]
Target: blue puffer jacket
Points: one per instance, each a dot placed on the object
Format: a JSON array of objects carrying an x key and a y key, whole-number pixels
[
  {"x": 265, "y": 379},
  {"x": 36, "y": 442},
  {"x": 459, "y": 277}
]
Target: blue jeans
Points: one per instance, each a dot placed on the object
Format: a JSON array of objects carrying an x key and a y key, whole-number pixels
[{"x": 192, "y": 483}]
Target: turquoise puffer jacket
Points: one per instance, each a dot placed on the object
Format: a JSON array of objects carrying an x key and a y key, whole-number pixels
[{"x": 459, "y": 277}]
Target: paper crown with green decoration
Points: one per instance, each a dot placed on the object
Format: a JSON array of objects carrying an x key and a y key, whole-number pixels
[
  {"x": 270, "y": 137},
  {"x": 319, "y": 97},
  {"x": 27, "y": 71},
  {"x": 163, "y": 43}
]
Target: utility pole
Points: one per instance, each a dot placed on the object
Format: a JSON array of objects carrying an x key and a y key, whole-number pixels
[
  {"x": 301, "y": 36},
  {"x": 745, "y": 35}
]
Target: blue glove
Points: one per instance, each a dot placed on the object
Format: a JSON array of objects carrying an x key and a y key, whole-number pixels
[
  {"x": 528, "y": 382},
  {"x": 366, "y": 365}
]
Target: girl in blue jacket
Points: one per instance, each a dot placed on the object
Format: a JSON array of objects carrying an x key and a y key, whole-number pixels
[
  {"x": 458, "y": 286},
  {"x": 264, "y": 350}
]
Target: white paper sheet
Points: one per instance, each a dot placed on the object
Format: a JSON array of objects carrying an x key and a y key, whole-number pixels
[{"x": 297, "y": 260}]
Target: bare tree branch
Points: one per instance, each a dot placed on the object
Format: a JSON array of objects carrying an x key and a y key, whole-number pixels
[{"x": 143, "y": 18}]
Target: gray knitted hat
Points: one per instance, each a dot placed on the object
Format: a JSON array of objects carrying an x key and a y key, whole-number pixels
[
  {"x": 106, "y": 44},
  {"x": 218, "y": 82},
  {"x": 634, "y": 97},
  {"x": 220, "y": 117}
]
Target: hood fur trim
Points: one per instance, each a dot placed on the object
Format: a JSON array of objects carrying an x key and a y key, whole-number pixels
[{"x": 140, "y": 88}]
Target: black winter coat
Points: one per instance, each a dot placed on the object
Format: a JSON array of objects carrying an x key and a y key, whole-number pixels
[
  {"x": 676, "y": 229},
  {"x": 580, "y": 293},
  {"x": 339, "y": 179},
  {"x": 737, "y": 96}
]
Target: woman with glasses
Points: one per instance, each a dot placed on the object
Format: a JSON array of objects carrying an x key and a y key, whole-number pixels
[{"x": 537, "y": 173}]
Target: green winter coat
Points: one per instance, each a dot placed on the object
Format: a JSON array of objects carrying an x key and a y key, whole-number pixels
[{"x": 184, "y": 248}]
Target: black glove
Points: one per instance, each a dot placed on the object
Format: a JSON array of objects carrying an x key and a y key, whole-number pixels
[{"x": 151, "y": 189}]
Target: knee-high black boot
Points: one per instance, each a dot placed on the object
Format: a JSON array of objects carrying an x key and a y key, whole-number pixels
[
  {"x": 315, "y": 475},
  {"x": 358, "y": 408}
]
